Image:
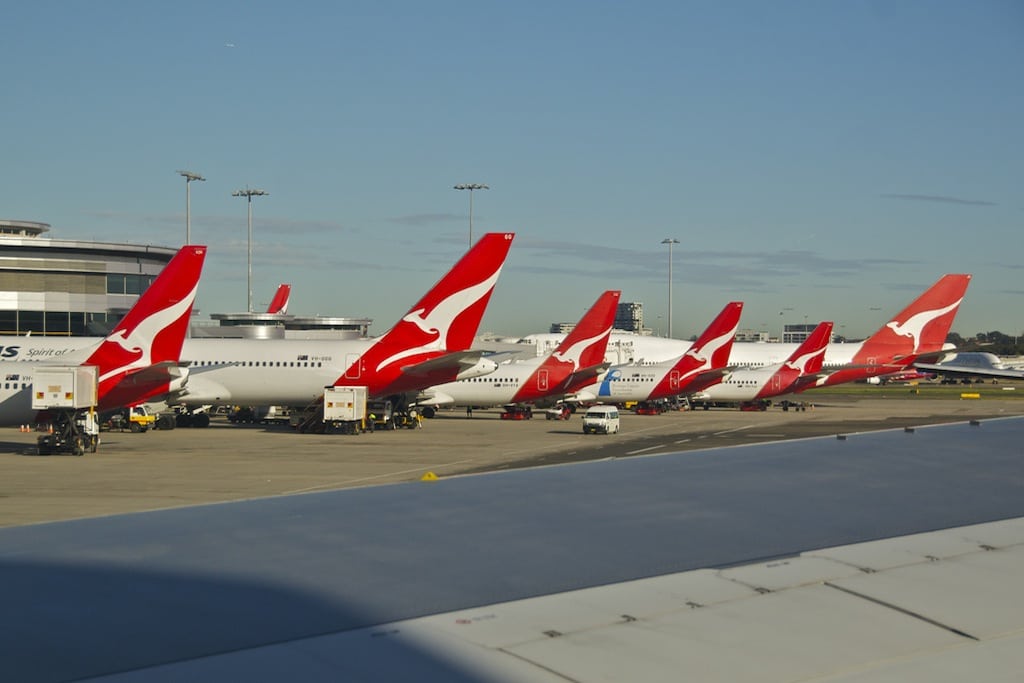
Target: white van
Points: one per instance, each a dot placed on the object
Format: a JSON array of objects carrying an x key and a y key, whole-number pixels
[{"x": 604, "y": 419}]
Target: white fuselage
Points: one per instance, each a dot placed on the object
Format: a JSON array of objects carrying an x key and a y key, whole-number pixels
[
  {"x": 496, "y": 388},
  {"x": 743, "y": 385},
  {"x": 623, "y": 383},
  {"x": 228, "y": 371},
  {"x": 289, "y": 372},
  {"x": 625, "y": 348},
  {"x": 16, "y": 393}
]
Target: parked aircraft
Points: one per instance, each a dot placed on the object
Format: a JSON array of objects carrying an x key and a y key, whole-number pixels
[
  {"x": 753, "y": 386},
  {"x": 577, "y": 361},
  {"x": 427, "y": 346},
  {"x": 136, "y": 362},
  {"x": 918, "y": 331},
  {"x": 971, "y": 365},
  {"x": 703, "y": 365}
]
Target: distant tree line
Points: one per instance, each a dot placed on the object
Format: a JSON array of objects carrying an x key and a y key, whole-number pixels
[{"x": 992, "y": 342}]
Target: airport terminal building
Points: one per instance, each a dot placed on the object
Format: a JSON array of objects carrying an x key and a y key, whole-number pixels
[
  {"x": 57, "y": 287},
  {"x": 68, "y": 287}
]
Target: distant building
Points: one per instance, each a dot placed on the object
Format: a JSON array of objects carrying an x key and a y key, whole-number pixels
[
  {"x": 753, "y": 336},
  {"x": 77, "y": 288},
  {"x": 562, "y": 328},
  {"x": 629, "y": 316},
  {"x": 281, "y": 326},
  {"x": 69, "y": 287},
  {"x": 795, "y": 334}
]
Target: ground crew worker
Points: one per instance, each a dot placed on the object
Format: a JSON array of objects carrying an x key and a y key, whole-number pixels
[{"x": 370, "y": 420}]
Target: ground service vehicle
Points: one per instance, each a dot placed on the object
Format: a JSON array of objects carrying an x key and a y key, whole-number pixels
[
  {"x": 68, "y": 394},
  {"x": 135, "y": 419},
  {"x": 559, "y": 412},
  {"x": 514, "y": 411},
  {"x": 381, "y": 414},
  {"x": 603, "y": 419},
  {"x": 345, "y": 409}
]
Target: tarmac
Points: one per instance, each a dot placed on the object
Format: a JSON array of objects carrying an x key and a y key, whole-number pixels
[{"x": 134, "y": 472}]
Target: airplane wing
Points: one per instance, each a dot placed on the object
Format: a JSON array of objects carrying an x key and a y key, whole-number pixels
[
  {"x": 806, "y": 382},
  {"x": 633, "y": 568},
  {"x": 462, "y": 364},
  {"x": 969, "y": 371},
  {"x": 167, "y": 376},
  {"x": 584, "y": 376},
  {"x": 705, "y": 379},
  {"x": 432, "y": 397}
]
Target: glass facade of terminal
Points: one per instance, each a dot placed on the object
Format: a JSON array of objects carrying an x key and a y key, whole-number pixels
[{"x": 67, "y": 287}]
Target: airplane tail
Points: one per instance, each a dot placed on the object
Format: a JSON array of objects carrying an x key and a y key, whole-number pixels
[
  {"x": 279, "y": 304},
  {"x": 585, "y": 344},
  {"x": 803, "y": 365},
  {"x": 915, "y": 333},
  {"x": 445, "y": 319},
  {"x": 920, "y": 328},
  {"x": 574, "y": 362},
  {"x": 705, "y": 362},
  {"x": 150, "y": 335}
]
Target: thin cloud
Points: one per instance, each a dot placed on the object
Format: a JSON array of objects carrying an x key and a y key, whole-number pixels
[
  {"x": 729, "y": 270},
  {"x": 420, "y": 219},
  {"x": 939, "y": 198},
  {"x": 132, "y": 220}
]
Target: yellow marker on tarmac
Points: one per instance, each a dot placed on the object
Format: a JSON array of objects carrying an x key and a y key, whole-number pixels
[{"x": 429, "y": 476}]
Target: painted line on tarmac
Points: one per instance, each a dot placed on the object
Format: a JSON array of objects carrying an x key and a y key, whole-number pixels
[
  {"x": 649, "y": 448},
  {"x": 734, "y": 429},
  {"x": 336, "y": 484}
]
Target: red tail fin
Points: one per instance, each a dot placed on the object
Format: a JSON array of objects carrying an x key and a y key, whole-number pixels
[
  {"x": 709, "y": 354},
  {"x": 153, "y": 331},
  {"x": 582, "y": 348},
  {"x": 806, "y": 360},
  {"x": 279, "y": 304},
  {"x": 922, "y": 327},
  {"x": 445, "y": 319}
]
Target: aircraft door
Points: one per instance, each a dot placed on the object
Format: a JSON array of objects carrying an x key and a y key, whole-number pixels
[
  {"x": 776, "y": 382},
  {"x": 872, "y": 366},
  {"x": 353, "y": 366},
  {"x": 673, "y": 379},
  {"x": 542, "y": 379}
]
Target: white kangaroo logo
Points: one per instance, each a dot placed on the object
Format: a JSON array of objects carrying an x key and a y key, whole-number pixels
[
  {"x": 800, "y": 362},
  {"x": 706, "y": 352},
  {"x": 441, "y": 318},
  {"x": 140, "y": 339},
  {"x": 916, "y": 323},
  {"x": 573, "y": 353}
]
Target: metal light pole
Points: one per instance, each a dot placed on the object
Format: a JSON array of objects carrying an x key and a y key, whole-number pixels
[
  {"x": 249, "y": 194},
  {"x": 670, "y": 241},
  {"x": 471, "y": 187},
  {"x": 189, "y": 177}
]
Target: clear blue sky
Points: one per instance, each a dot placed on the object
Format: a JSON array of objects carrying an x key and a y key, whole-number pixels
[{"x": 833, "y": 158}]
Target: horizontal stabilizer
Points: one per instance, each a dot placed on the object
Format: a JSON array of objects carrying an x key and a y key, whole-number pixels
[
  {"x": 705, "y": 379},
  {"x": 806, "y": 382},
  {"x": 954, "y": 370},
  {"x": 585, "y": 376},
  {"x": 455, "y": 362},
  {"x": 148, "y": 382}
]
